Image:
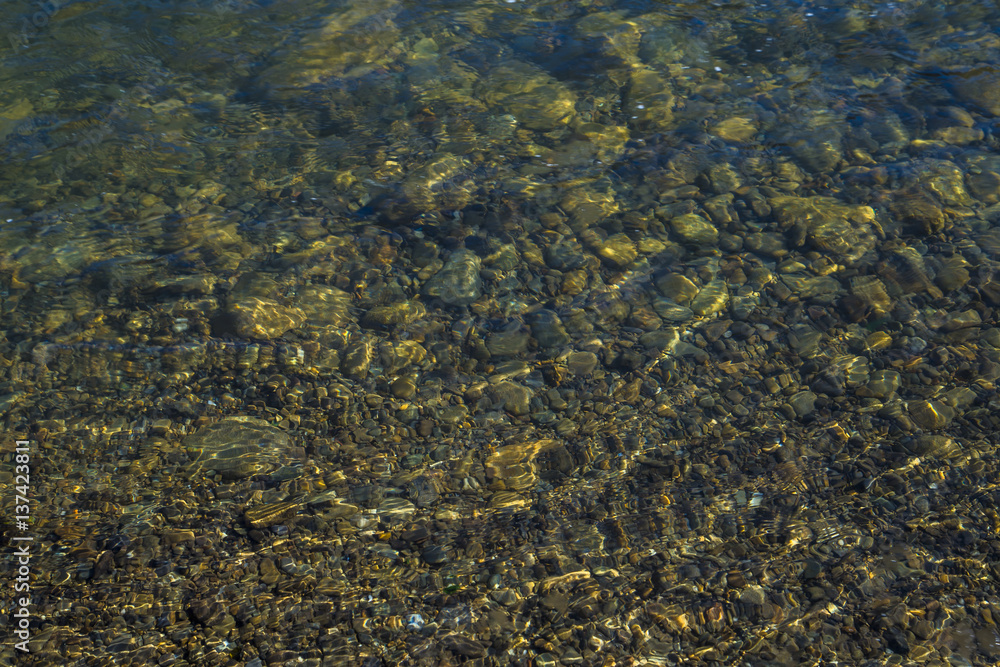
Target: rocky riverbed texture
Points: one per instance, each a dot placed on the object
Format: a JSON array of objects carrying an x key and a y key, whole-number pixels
[{"x": 445, "y": 353}]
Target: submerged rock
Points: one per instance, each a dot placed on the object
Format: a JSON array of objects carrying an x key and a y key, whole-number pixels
[
  {"x": 458, "y": 282},
  {"x": 237, "y": 447},
  {"x": 694, "y": 229},
  {"x": 649, "y": 101},
  {"x": 828, "y": 225},
  {"x": 979, "y": 85},
  {"x": 256, "y": 317},
  {"x": 535, "y": 99}
]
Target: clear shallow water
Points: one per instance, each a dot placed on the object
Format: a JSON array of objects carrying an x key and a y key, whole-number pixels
[{"x": 590, "y": 332}]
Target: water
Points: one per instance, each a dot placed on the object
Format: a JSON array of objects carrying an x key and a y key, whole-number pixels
[{"x": 576, "y": 333}]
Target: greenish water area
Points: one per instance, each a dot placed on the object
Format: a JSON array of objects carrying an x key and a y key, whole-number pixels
[{"x": 500, "y": 333}]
